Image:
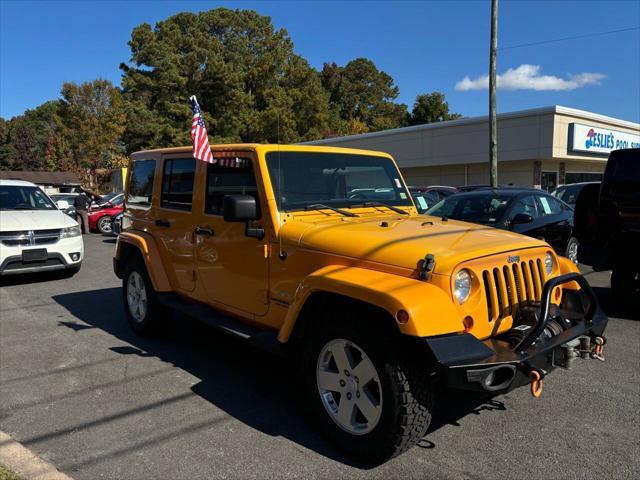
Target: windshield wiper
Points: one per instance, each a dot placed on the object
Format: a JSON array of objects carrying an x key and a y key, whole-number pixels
[
  {"x": 382, "y": 204},
  {"x": 322, "y": 206}
]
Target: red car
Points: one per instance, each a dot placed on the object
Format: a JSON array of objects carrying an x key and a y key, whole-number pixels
[{"x": 100, "y": 213}]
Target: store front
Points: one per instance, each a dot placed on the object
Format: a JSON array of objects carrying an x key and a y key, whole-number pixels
[{"x": 543, "y": 147}]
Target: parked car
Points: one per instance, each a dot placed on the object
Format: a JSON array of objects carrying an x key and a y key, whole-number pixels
[
  {"x": 69, "y": 209},
  {"x": 607, "y": 219},
  {"x": 483, "y": 186},
  {"x": 35, "y": 235},
  {"x": 101, "y": 212},
  {"x": 380, "y": 308},
  {"x": 569, "y": 193},
  {"x": 426, "y": 197},
  {"x": 527, "y": 211}
]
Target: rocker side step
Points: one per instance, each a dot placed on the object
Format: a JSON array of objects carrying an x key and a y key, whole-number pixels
[{"x": 264, "y": 339}]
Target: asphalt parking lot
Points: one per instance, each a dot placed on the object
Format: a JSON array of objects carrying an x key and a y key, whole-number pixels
[{"x": 80, "y": 390}]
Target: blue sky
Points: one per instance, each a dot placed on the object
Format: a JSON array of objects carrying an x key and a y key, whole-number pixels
[{"x": 423, "y": 45}]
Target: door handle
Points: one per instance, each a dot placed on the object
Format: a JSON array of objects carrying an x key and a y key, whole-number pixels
[
  {"x": 163, "y": 223},
  {"x": 204, "y": 231}
]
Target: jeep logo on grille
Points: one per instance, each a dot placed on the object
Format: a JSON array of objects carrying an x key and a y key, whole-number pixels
[{"x": 513, "y": 258}]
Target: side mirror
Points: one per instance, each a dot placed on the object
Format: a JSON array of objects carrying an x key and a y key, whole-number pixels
[
  {"x": 521, "y": 218},
  {"x": 62, "y": 204},
  {"x": 242, "y": 208}
]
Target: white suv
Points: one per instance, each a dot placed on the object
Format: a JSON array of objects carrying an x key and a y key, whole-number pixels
[{"x": 34, "y": 234}]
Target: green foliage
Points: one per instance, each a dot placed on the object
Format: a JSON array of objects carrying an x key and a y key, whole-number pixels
[
  {"x": 363, "y": 95},
  {"x": 248, "y": 80},
  {"x": 90, "y": 121},
  {"x": 429, "y": 108},
  {"x": 250, "y": 83}
]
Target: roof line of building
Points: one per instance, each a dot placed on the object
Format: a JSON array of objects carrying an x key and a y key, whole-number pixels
[{"x": 470, "y": 120}]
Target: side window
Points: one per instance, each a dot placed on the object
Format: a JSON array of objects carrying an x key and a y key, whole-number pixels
[
  {"x": 228, "y": 177},
  {"x": 524, "y": 204},
  {"x": 141, "y": 183},
  {"x": 177, "y": 183},
  {"x": 548, "y": 205}
]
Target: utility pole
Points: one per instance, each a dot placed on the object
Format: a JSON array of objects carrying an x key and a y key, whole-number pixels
[{"x": 493, "y": 130}]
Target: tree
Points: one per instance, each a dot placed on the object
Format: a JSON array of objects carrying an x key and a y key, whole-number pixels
[
  {"x": 27, "y": 152},
  {"x": 248, "y": 80},
  {"x": 8, "y": 152},
  {"x": 429, "y": 108},
  {"x": 90, "y": 120},
  {"x": 362, "y": 94}
]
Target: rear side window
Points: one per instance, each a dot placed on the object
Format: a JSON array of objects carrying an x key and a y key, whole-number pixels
[
  {"x": 177, "y": 183},
  {"x": 548, "y": 205},
  {"x": 626, "y": 166},
  {"x": 141, "y": 183},
  {"x": 228, "y": 177}
]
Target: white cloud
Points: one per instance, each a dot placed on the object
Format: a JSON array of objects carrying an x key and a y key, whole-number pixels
[{"x": 527, "y": 77}]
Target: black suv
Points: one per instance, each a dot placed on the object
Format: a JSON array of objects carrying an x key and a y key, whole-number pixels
[{"x": 607, "y": 224}]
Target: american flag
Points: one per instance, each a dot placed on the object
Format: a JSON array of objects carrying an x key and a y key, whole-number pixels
[{"x": 201, "y": 148}]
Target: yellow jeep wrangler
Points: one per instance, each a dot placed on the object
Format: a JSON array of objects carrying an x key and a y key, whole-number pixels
[{"x": 319, "y": 254}]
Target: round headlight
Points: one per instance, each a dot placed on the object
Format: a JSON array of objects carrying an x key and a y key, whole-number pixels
[
  {"x": 462, "y": 285},
  {"x": 548, "y": 263}
]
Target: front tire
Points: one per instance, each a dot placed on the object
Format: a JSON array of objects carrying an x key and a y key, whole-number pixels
[
  {"x": 142, "y": 309},
  {"x": 625, "y": 286},
  {"x": 370, "y": 398},
  {"x": 571, "y": 252},
  {"x": 104, "y": 225}
]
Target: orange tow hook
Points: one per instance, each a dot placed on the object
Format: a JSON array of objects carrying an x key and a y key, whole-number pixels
[
  {"x": 536, "y": 383},
  {"x": 598, "y": 349}
]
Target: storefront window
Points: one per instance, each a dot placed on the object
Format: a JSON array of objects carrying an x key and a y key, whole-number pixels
[{"x": 575, "y": 177}]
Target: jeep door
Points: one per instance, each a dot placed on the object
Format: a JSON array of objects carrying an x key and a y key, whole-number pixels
[
  {"x": 173, "y": 223},
  {"x": 232, "y": 268}
]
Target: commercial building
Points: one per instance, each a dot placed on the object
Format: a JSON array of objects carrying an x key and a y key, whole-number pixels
[{"x": 542, "y": 147}]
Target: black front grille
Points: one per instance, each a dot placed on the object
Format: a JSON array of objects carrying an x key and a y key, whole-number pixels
[
  {"x": 512, "y": 285},
  {"x": 19, "y": 264}
]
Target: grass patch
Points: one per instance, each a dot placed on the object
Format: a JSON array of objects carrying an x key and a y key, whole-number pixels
[{"x": 7, "y": 475}]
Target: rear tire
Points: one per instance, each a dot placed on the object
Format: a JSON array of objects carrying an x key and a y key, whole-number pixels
[
  {"x": 142, "y": 309},
  {"x": 398, "y": 398}
]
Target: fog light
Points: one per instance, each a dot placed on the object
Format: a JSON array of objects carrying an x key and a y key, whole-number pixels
[{"x": 75, "y": 257}]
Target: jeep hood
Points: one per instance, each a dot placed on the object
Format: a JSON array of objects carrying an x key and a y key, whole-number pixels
[{"x": 403, "y": 241}]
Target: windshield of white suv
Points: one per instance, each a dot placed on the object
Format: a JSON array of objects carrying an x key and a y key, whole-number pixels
[
  {"x": 19, "y": 197},
  {"x": 307, "y": 180}
]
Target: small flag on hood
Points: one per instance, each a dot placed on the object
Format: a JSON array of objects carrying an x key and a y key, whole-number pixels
[{"x": 201, "y": 147}]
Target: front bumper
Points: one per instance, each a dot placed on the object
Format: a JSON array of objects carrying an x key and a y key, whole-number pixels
[
  {"x": 59, "y": 257},
  {"x": 496, "y": 365}
]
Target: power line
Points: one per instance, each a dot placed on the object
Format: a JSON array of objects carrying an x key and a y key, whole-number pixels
[{"x": 609, "y": 32}]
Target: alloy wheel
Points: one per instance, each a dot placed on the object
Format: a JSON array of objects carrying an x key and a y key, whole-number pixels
[
  {"x": 349, "y": 386},
  {"x": 137, "y": 297}
]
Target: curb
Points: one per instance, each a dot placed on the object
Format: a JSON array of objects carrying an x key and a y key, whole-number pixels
[{"x": 24, "y": 463}]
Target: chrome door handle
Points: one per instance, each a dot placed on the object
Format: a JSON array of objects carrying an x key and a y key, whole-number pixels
[{"x": 204, "y": 231}]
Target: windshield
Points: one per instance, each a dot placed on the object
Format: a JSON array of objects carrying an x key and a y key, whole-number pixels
[
  {"x": 303, "y": 179},
  {"x": 18, "y": 197},
  {"x": 487, "y": 208}
]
